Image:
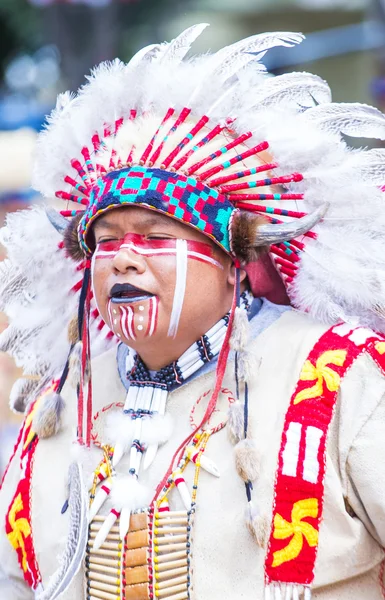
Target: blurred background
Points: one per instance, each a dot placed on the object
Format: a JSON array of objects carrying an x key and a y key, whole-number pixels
[{"x": 47, "y": 46}]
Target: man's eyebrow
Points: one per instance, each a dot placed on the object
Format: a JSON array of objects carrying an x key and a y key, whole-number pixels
[
  {"x": 104, "y": 223},
  {"x": 147, "y": 221}
]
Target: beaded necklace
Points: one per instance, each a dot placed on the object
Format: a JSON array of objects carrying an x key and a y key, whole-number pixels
[
  {"x": 146, "y": 399},
  {"x": 147, "y": 394}
]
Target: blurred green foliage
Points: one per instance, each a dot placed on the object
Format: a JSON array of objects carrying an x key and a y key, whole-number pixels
[{"x": 19, "y": 28}]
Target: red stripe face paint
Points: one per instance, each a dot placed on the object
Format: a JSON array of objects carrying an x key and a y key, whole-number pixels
[
  {"x": 135, "y": 317},
  {"x": 136, "y": 320},
  {"x": 151, "y": 248},
  {"x": 153, "y": 316},
  {"x": 127, "y": 322}
]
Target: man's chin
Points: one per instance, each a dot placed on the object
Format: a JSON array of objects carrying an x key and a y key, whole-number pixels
[{"x": 133, "y": 318}]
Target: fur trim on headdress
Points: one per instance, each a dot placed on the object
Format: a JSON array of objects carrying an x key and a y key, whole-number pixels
[
  {"x": 244, "y": 227},
  {"x": 71, "y": 241}
]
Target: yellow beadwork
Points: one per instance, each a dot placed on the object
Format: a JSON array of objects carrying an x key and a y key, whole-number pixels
[
  {"x": 20, "y": 530},
  {"x": 298, "y": 529},
  {"x": 106, "y": 462},
  {"x": 322, "y": 373},
  {"x": 380, "y": 347}
]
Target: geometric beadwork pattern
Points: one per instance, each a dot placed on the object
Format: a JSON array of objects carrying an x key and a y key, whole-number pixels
[
  {"x": 300, "y": 478},
  {"x": 175, "y": 195}
]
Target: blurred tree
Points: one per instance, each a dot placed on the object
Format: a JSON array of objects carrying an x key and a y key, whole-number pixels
[
  {"x": 85, "y": 35},
  {"x": 19, "y": 29}
]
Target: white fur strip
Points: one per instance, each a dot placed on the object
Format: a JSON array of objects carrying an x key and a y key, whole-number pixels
[{"x": 180, "y": 286}]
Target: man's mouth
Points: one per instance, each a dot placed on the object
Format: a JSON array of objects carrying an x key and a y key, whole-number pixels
[{"x": 125, "y": 293}]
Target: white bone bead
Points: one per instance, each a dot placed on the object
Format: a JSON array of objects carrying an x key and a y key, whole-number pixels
[
  {"x": 163, "y": 575},
  {"x": 183, "y": 491},
  {"x": 104, "y": 530},
  {"x": 165, "y": 584},
  {"x": 124, "y": 523},
  {"x": 170, "y": 590},
  {"x": 99, "y": 500}
]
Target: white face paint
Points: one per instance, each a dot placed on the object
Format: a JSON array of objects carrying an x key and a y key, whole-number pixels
[
  {"x": 180, "y": 286},
  {"x": 133, "y": 313}
]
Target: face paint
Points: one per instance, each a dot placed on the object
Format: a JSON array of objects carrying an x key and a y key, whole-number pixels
[
  {"x": 153, "y": 316},
  {"x": 127, "y": 322},
  {"x": 150, "y": 248},
  {"x": 133, "y": 312},
  {"x": 180, "y": 286}
]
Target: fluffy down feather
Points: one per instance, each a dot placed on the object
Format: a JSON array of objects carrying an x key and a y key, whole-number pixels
[{"x": 127, "y": 492}]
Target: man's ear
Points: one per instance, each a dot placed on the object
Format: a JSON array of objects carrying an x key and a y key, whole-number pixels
[{"x": 231, "y": 274}]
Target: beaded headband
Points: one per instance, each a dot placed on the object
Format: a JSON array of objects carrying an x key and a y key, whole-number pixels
[
  {"x": 198, "y": 193},
  {"x": 177, "y": 196}
]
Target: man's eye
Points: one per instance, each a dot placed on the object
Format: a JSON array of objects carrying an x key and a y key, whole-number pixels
[
  {"x": 159, "y": 236},
  {"x": 104, "y": 240}
]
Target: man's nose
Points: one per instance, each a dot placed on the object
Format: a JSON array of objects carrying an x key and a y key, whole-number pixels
[{"x": 126, "y": 260}]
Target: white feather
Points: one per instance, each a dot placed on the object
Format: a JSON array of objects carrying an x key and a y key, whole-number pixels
[
  {"x": 35, "y": 286},
  {"x": 127, "y": 492},
  {"x": 177, "y": 49},
  {"x": 229, "y": 60},
  {"x": 356, "y": 120},
  {"x": 299, "y": 89}
]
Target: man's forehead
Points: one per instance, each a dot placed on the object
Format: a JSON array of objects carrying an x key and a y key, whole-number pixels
[{"x": 135, "y": 217}]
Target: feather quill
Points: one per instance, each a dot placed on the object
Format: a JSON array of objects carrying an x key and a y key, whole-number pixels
[{"x": 148, "y": 52}]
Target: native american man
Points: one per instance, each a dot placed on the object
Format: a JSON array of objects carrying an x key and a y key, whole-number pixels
[{"x": 207, "y": 410}]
